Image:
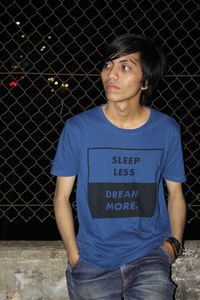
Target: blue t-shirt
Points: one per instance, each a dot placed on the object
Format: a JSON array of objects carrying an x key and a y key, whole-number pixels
[{"x": 120, "y": 199}]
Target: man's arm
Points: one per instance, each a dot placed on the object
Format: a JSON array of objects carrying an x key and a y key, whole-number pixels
[
  {"x": 177, "y": 212},
  {"x": 64, "y": 216}
]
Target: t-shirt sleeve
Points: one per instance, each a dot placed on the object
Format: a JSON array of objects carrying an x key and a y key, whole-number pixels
[
  {"x": 174, "y": 164},
  {"x": 65, "y": 162}
]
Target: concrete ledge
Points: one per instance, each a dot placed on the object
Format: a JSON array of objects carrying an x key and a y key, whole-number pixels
[
  {"x": 186, "y": 272},
  {"x": 35, "y": 270},
  {"x": 32, "y": 270}
]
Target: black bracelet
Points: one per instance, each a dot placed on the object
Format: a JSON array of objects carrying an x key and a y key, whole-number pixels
[{"x": 177, "y": 247}]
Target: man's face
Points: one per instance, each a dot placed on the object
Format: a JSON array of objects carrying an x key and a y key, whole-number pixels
[{"x": 122, "y": 78}]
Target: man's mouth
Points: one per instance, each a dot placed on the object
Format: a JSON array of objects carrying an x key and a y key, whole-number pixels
[{"x": 111, "y": 86}]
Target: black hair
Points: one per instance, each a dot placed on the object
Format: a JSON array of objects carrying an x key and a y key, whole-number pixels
[{"x": 152, "y": 59}]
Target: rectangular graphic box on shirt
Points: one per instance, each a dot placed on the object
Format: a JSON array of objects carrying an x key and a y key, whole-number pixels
[
  {"x": 122, "y": 182},
  {"x": 122, "y": 200}
]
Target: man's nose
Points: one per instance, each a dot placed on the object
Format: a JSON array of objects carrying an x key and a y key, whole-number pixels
[{"x": 113, "y": 74}]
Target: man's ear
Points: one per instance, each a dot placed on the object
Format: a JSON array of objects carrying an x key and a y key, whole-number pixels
[{"x": 144, "y": 85}]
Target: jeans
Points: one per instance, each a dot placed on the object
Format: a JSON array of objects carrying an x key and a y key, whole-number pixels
[{"x": 146, "y": 278}]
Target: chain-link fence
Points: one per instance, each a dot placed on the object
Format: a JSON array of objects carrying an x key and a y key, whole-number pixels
[{"x": 51, "y": 53}]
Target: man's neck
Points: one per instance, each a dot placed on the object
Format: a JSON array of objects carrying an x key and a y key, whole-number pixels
[{"x": 126, "y": 115}]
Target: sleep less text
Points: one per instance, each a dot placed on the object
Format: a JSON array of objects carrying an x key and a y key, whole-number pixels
[{"x": 124, "y": 160}]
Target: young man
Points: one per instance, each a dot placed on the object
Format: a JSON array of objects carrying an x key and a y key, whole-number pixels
[{"x": 121, "y": 152}]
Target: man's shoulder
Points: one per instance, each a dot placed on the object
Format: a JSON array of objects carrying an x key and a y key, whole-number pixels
[
  {"x": 89, "y": 114},
  {"x": 164, "y": 119}
]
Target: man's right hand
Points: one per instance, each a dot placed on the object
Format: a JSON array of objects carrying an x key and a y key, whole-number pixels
[{"x": 73, "y": 259}]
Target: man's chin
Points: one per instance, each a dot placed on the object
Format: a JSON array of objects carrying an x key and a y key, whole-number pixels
[{"x": 114, "y": 100}]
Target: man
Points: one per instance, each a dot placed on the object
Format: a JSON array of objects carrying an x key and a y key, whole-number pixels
[{"x": 121, "y": 152}]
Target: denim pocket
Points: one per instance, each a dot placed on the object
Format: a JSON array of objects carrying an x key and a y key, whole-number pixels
[
  {"x": 69, "y": 267},
  {"x": 76, "y": 264},
  {"x": 166, "y": 253}
]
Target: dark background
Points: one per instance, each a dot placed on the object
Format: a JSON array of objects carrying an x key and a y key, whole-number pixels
[{"x": 48, "y": 44}]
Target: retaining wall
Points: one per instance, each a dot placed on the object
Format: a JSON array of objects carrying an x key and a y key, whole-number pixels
[{"x": 35, "y": 270}]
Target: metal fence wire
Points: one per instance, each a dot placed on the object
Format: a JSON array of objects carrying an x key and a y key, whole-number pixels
[{"x": 50, "y": 71}]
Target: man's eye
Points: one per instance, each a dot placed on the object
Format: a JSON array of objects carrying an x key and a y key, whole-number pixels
[
  {"x": 125, "y": 68},
  {"x": 106, "y": 66}
]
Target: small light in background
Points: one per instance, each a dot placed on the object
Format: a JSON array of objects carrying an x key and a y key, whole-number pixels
[
  {"x": 65, "y": 85},
  {"x": 13, "y": 83},
  {"x": 64, "y": 88},
  {"x": 57, "y": 86},
  {"x": 18, "y": 23},
  {"x": 43, "y": 48}
]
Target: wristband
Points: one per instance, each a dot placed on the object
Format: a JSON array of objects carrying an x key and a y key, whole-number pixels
[{"x": 177, "y": 247}]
